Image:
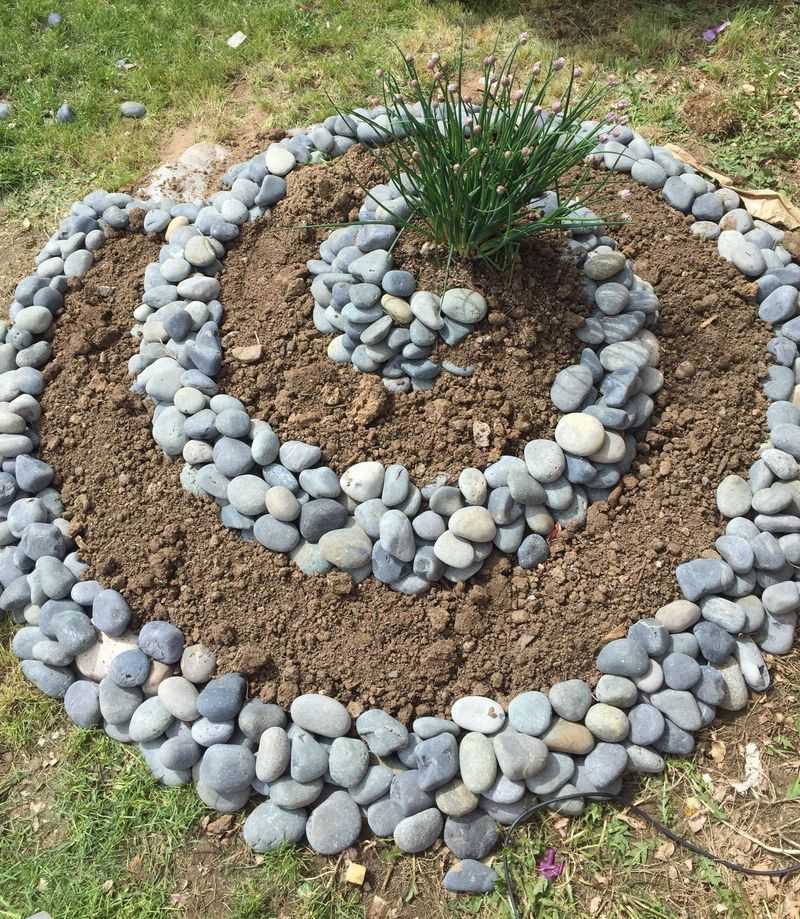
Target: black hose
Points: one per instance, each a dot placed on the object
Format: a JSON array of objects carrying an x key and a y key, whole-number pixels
[{"x": 656, "y": 824}]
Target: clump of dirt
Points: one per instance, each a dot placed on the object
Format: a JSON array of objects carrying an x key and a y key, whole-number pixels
[
  {"x": 508, "y": 630},
  {"x": 709, "y": 114},
  {"x": 462, "y": 421}
]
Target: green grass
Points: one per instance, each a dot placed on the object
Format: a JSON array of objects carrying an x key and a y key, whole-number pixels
[
  {"x": 25, "y": 714},
  {"x": 101, "y": 808},
  {"x": 286, "y": 876},
  {"x": 295, "y": 54}
]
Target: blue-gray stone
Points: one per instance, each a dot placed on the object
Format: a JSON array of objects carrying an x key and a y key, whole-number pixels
[
  {"x": 110, "y": 612},
  {"x": 222, "y": 698},
  {"x": 473, "y": 836},
  {"x": 703, "y": 576},
  {"x": 227, "y": 768},
  {"x": 623, "y": 657},
  {"x": 334, "y": 825},
  {"x": 716, "y": 644},
  {"x": 678, "y": 194},
  {"x": 130, "y": 668},
  {"x": 382, "y": 733},
  {"x": 646, "y": 724},
  {"x": 162, "y": 641},
  {"x": 651, "y": 634},
  {"x": 680, "y": 671},
  {"x": 269, "y": 827},
  {"x": 82, "y": 703}
]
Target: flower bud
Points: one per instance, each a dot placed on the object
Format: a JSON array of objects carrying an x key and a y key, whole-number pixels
[
  {"x": 558, "y": 63},
  {"x": 501, "y": 189},
  {"x": 517, "y": 94},
  {"x": 523, "y": 38}
]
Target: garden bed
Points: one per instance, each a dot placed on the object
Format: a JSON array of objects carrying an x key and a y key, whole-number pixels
[{"x": 507, "y": 630}]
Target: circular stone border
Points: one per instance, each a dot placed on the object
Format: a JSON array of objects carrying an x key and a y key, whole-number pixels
[{"x": 659, "y": 685}]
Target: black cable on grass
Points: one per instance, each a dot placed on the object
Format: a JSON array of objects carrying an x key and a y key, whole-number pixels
[{"x": 656, "y": 824}]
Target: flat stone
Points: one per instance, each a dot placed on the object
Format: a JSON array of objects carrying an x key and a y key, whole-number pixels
[
  {"x": 477, "y": 762},
  {"x": 473, "y": 836},
  {"x": 616, "y": 690},
  {"x": 455, "y": 799},
  {"x": 559, "y": 768},
  {"x": 570, "y": 699},
  {"x": 274, "y": 754},
  {"x": 349, "y": 761},
  {"x": 374, "y": 785},
  {"x": 382, "y": 733},
  {"x": 579, "y": 433},
  {"x": 419, "y": 831},
  {"x": 703, "y": 576},
  {"x": 478, "y": 713},
  {"x": 320, "y": 715},
  {"x": 437, "y": 761},
  {"x": 222, "y": 698},
  {"x": 149, "y": 721},
  {"x": 470, "y": 876},
  {"x": 530, "y": 713},
  {"x": 348, "y": 549},
  {"x": 519, "y": 756},
  {"x": 406, "y": 793},
  {"x": 680, "y": 707},
  {"x": 309, "y": 759},
  {"x": 268, "y": 827},
  {"x": 162, "y": 641},
  {"x": 568, "y": 737},
  {"x": 606, "y": 763},
  {"x": 607, "y": 722},
  {"x": 463, "y": 305},
  {"x": 646, "y": 724},
  {"x": 623, "y": 657}
]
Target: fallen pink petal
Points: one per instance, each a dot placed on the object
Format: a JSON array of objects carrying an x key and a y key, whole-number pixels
[
  {"x": 711, "y": 34},
  {"x": 548, "y": 867}
]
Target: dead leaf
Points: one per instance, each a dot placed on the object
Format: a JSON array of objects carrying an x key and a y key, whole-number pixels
[
  {"x": 718, "y": 750},
  {"x": 707, "y": 322},
  {"x": 697, "y": 823},
  {"x": 594, "y": 905},
  {"x": 763, "y": 203},
  {"x": 692, "y": 806},
  {"x": 220, "y": 825},
  {"x": 748, "y": 88},
  {"x": 665, "y": 851}
]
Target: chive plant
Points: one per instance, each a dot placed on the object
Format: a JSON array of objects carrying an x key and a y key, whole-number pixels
[{"x": 475, "y": 173}]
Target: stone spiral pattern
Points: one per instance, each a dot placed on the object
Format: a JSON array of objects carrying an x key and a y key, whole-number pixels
[{"x": 322, "y": 775}]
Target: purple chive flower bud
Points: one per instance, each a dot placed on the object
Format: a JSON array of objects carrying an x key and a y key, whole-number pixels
[
  {"x": 558, "y": 63},
  {"x": 548, "y": 867},
  {"x": 556, "y": 106},
  {"x": 537, "y": 67},
  {"x": 523, "y": 38}
]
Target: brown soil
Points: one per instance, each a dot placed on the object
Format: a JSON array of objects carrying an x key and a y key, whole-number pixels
[
  {"x": 508, "y": 631},
  {"x": 709, "y": 114},
  {"x": 460, "y": 422}
]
